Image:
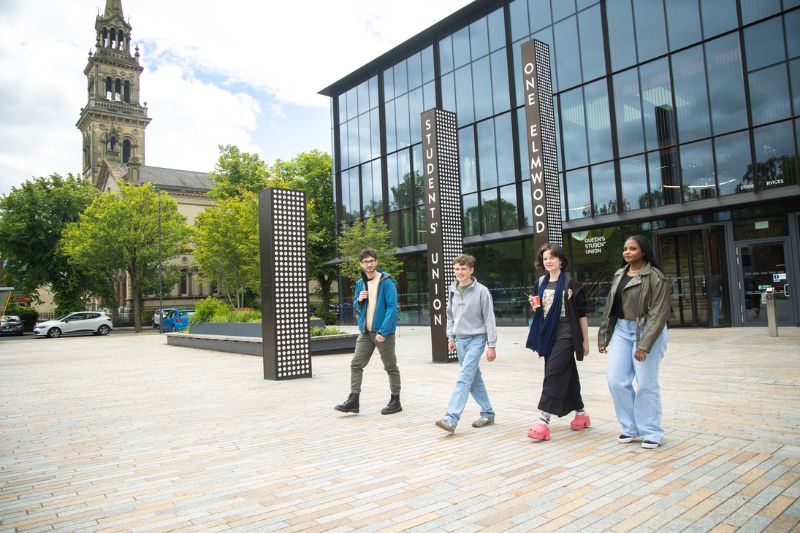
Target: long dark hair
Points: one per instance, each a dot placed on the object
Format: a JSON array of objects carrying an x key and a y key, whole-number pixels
[{"x": 647, "y": 250}]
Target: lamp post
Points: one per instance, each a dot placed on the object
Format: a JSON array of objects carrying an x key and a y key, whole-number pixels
[{"x": 160, "y": 270}]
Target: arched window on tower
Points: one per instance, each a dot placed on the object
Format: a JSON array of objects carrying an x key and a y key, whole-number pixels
[
  {"x": 113, "y": 38},
  {"x": 184, "y": 285},
  {"x": 126, "y": 150},
  {"x": 127, "y": 94},
  {"x": 109, "y": 89},
  {"x": 85, "y": 152},
  {"x": 117, "y": 90},
  {"x": 105, "y": 38},
  {"x": 111, "y": 145}
]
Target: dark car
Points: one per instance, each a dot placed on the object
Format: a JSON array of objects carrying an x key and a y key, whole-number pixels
[{"x": 11, "y": 325}]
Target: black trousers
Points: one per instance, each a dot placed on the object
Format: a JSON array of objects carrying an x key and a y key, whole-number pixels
[{"x": 561, "y": 390}]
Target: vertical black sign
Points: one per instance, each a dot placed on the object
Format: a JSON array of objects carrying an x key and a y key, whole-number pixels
[
  {"x": 443, "y": 222},
  {"x": 284, "y": 284},
  {"x": 541, "y": 139}
]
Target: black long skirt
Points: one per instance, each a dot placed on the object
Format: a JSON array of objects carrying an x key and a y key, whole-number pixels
[{"x": 561, "y": 391}]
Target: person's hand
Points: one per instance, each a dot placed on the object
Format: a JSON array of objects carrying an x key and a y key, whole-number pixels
[
  {"x": 640, "y": 355},
  {"x": 534, "y": 301},
  {"x": 491, "y": 354},
  {"x": 379, "y": 338},
  {"x": 362, "y": 295},
  {"x": 451, "y": 346},
  {"x": 602, "y": 349},
  {"x": 585, "y": 348}
]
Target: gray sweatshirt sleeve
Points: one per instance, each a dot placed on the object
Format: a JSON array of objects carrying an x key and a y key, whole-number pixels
[
  {"x": 487, "y": 308},
  {"x": 450, "y": 322}
]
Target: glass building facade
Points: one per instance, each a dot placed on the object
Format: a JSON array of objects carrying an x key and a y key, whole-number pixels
[{"x": 677, "y": 119}]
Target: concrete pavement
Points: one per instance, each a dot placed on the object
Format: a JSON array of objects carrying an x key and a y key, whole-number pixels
[{"x": 126, "y": 433}]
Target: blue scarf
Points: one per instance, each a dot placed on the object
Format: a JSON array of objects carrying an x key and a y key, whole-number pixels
[{"x": 542, "y": 334}]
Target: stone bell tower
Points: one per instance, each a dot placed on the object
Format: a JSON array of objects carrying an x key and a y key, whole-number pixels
[{"x": 113, "y": 121}]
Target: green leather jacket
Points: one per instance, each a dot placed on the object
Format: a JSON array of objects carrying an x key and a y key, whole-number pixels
[{"x": 646, "y": 297}]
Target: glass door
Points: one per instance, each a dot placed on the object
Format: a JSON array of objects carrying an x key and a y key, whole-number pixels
[{"x": 763, "y": 265}]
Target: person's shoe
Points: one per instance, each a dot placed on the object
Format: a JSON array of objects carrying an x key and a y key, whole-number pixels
[
  {"x": 483, "y": 421},
  {"x": 625, "y": 439},
  {"x": 350, "y": 405},
  {"x": 393, "y": 406},
  {"x": 539, "y": 431},
  {"x": 446, "y": 425},
  {"x": 580, "y": 422},
  {"x": 649, "y": 444}
]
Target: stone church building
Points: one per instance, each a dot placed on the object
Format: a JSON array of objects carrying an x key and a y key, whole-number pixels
[{"x": 113, "y": 124}]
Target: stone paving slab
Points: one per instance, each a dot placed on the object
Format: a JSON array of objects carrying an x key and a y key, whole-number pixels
[{"x": 125, "y": 433}]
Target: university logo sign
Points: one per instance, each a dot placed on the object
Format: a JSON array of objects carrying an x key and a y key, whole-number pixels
[
  {"x": 540, "y": 137},
  {"x": 443, "y": 223}
]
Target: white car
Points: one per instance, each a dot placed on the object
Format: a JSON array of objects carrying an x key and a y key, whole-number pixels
[
  {"x": 157, "y": 316},
  {"x": 80, "y": 322}
]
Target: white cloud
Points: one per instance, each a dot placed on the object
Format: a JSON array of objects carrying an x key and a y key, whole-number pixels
[{"x": 213, "y": 75}]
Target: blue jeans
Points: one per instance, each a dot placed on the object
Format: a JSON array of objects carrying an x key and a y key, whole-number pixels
[
  {"x": 469, "y": 351},
  {"x": 638, "y": 410}
]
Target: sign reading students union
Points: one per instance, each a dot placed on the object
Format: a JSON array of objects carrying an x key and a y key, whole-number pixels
[
  {"x": 443, "y": 224},
  {"x": 540, "y": 136}
]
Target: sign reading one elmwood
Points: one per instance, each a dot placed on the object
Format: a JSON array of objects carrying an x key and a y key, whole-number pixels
[
  {"x": 540, "y": 136},
  {"x": 443, "y": 228}
]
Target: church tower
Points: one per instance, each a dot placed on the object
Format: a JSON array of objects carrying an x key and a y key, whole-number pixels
[{"x": 113, "y": 121}]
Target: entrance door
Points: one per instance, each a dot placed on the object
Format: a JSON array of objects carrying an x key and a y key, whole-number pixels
[
  {"x": 763, "y": 265},
  {"x": 695, "y": 263}
]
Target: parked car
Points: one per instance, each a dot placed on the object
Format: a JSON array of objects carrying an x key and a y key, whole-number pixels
[
  {"x": 11, "y": 325},
  {"x": 178, "y": 320},
  {"x": 161, "y": 313},
  {"x": 80, "y": 322}
]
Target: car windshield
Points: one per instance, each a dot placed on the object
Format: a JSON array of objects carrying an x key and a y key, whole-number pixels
[{"x": 11, "y": 319}]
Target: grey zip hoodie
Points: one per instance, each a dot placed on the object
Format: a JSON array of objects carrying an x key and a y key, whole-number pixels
[{"x": 472, "y": 314}]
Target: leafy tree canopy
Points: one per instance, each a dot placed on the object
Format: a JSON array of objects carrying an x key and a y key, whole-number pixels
[
  {"x": 237, "y": 172},
  {"x": 372, "y": 233}
]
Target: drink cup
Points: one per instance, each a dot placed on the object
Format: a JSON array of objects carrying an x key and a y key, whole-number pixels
[{"x": 535, "y": 301}]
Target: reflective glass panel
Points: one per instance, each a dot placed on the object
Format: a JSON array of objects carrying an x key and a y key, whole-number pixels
[
  {"x": 414, "y": 65},
  {"x": 429, "y": 96},
  {"x": 467, "y": 161},
  {"x": 633, "y": 178},
  {"x": 446, "y": 54},
  {"x": 373, "y": 92},
  {"x": 415, "y": 109},
  {"x": 527, "y": 204},
  {"x": 388, "y": 84},
  {"x": 628, "y": 111},
  {"x": 352, "y": 103},
  {"x": 651, "y": 35},
  {"x": 482, "y": 86},
  {"x": 539, "y": 14},
  {"x": 375, "y": 133},
  {"x": 776, "y": 162},
  {"x": 522, "y": 138},
  {"x": 352, "y": 142},
  {"x": 697, "y": 171},
  {"x": 479, "y": 38},
  {"x": 718, "y": 16},
  {"x": 578, "y": 194},
  {"x": 508, "y": 208},
  {"x": 516, "y": 64},
  {"x": 604, "y": 189},
  {"x": 691, "y": 97},
  {"x": 407, "y": 219},
  {"x": 567, "y": 55},
  {"x": 733, "y": 161},
  {"x": 724, "y": 65},
  {"x": 573, "y": 128},
  {"x": 419, "y": 234},
  {"x": 794, "y": 71},
  {"x": 683, "y": 20},
  {"x": 395, "y": 229},
  {"x": 518, "y": 10},
  {"x": 497, "y": 30},
  {"x": 401, "y": 119},
  {"x": 427, "y": 65},
  {"x": 344, "y": 150},
  {"x": 461, "y": 47},
  {"x": 764, "y": 44},
  {"x": 491, "y": 211},
  {"x": 620, "y": 33},
  {"x": 563, "y": 8},
  {"x": 753, "y": 10},
  {"x": 664, "y": 174},
  {"x": 448, "y": 93},
  {"x": 657, "y": 109},
  {"x": 363, "y": 97},
  {"x": 393, "y": 181},
  {"x": 593, "y": 59},
  {"x": 355, "y": 207},
  {"x": 769, "y": 94},
  {"x": 471, "y": 219},
  {"x": 365, "y": 152},
  {"x": 792, "y": 23},
  {"x": 505, "y": 149},
  {"x": 464, "y": 110},
  {"x": 367, "y": 189},
  {"x": 342, "y": 98},
  {"x": 598, "y": 122},
  {"x": 417, "y": 170},
  {"x": 500, "y": 96},
  {"x": 487, "y": 154},
  {"x": 377, "y": 187},
  {"x": 400, "y": 78}
]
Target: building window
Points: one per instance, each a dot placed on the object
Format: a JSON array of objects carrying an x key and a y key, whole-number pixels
[{"x": 126, "y": 151}]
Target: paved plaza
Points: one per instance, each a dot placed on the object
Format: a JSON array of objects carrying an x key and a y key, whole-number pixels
[{"x": 126, "y": 433}]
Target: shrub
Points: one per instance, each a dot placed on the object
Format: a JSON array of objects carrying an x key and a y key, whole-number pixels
[
  {"x": 319, "y": 331},
  {"x": 236, "y": 316},
  {"x": 206, "y": 309}
]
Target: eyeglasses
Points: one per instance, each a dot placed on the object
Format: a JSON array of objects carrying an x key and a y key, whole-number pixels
[{"x": 367, "y": 261}]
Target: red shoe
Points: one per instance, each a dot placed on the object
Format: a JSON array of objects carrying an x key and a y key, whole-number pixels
[
  {"x": 539, "y": 431},
  {"x": 580, "y": 422}
]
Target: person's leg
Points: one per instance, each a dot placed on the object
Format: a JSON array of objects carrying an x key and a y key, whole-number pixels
[
  {"x": 468, "y": 357},
  {"x": 478, "y": 389},
  {"x": 620, "y": 375},
  {"x": 362, "y": 355},
  {"x": 389, "y": 358},
  {"x": 555, "y": 397},
  {"x": 647, "y": 405}
]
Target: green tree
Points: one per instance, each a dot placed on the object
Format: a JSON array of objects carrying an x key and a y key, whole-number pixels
[
  {"x": 312, "y": 173},
  {"x": 237, "y": 172},
  {"x": 121, "y": 231},
  {"x": 32, "y": 218},
  {"x": 226, "y": 246},
  {"x": 372, "y": 233}
]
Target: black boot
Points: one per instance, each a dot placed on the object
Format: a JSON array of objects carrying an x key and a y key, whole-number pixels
[
  {"x": 350, "y": 405},
  {"x": 393, "y": 406}
]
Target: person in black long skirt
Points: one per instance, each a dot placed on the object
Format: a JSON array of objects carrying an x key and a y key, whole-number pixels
[{"x": 559, "y": 333}]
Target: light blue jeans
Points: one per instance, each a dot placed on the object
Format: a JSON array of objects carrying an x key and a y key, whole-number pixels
[
  {"x": 638, "y": 410},
  {"x": 470, "y": 381}
]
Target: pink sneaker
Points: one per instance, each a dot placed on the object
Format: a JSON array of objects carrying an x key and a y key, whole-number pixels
[
  {"x": 539, "y": 431},
  {"x": 580, "y": 422}
]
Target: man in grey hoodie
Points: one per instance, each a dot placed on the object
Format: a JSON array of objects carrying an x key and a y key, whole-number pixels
[{"x": 470, "y": 327}]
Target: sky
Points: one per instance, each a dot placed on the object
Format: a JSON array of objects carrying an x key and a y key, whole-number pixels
[{"x": 245, "y": 74}]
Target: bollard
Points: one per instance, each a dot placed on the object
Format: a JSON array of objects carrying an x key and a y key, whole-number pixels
[{"x": 772, "y": 322}]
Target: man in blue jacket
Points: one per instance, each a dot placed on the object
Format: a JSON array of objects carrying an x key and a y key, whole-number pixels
[{"x": 375, "y": 299}]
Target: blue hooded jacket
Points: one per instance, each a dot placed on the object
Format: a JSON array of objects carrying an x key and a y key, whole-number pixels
[{"x": 385, "y": 320}]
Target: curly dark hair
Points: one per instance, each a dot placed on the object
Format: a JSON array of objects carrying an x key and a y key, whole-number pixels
[{"x": 555, "y": 250}]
